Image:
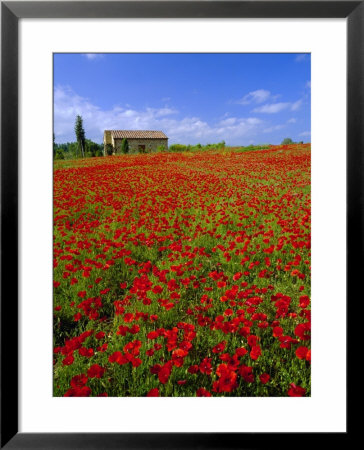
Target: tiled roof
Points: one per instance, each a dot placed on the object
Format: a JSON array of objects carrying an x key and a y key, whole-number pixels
[{"x": 137, "y": 134}]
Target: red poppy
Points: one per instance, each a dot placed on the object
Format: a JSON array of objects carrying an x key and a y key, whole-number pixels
[
  {"x": 122, "y": 330},
  {"x": 116, "y": 357},
  {"x": 264, "y": 378},
  {"x": 227, "y": 379},
  {"x": 68, "y": 360},
  {"x": 219, "y": 347},
  {"x": 205, "y": 366},
  {"x": 308, "y": 356},
  {"x": 241, "y": 351},
  {"x": 83, "y": 391},
  {"x": 178, "y": 356},
  {"x": 296, "y": 391},
  {"x": 202, "y": 392},
  {"x": 302, "y": 331},
  {"x": 255, "y": 352},
  {"x": 304, "y": 301},
  {"x": 244, "y": 331},
  {"x": 128, "y": 317},
  {"x": 155, "y": 369},
  {"x": 96, "y": 371},
  {"x": 252, "y": 340},
  {"x": 100, "y": 335},
  {"x": 77, "y": 317},
  {"x": 153, "y": 393},
  {"x": 301, "y": 352},
  {"x": 193, "y": 369},
  {"x": 87, "y": 352},
  {"x": 78, "y": 380},
  {"x": 165, "y": 372},
  {"x": 247, "y": 373}
]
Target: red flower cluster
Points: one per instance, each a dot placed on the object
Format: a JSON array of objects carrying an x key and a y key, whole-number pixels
[{"x": 183, "y": 274}]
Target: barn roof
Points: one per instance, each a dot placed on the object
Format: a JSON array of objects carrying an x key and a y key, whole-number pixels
[{"x": 138, "y": 134}]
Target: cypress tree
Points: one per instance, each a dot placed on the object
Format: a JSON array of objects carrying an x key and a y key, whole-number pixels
[{"x": 80, "y": 135}]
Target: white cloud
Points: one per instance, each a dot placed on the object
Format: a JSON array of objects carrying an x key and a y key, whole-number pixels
[
  {"x": 235, "y": 127},
  {"x": 292, "y": 120},
  {"x": 67, "y": 104},
  {"x": 273, "y": 108},
  {"x": 296, "y": 105},
  {"x": 273, "y": 128},
  {"x": 305, "y": 133},
  {"x": 308, "y": 85},
  {"x": 258, "y": 96},
  {"x": 302, "y": 57},
  {"x": 93, "y": 56},
  {"x": 228, "y": 122},
  {"x": 160, "y": 112}
]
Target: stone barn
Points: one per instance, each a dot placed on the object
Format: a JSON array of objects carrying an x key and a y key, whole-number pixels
[{"x": 140, "y": 141}]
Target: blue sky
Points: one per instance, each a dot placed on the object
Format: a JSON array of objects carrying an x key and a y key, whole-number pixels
[{"x": 194, "y": 98}]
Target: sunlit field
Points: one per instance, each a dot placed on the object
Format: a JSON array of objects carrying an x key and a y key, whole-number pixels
[{"x": 183, "y": 274}]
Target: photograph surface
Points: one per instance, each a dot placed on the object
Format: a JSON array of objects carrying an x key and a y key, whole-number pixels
[{"x": 182, "y": 225}]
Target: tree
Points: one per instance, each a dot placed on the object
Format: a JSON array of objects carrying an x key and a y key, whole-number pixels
[
  {"x": 59, "y": 154},
  {"x": 124, "y": 146},
  {"x": 287, "y": 141},
  {"x": 80, "y": 135},
  {"x": 92, "y": 148},
  {"x": 73, "y": 149}
]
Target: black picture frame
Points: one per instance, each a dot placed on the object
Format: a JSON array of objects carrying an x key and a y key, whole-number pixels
[{"x": 11, "y": 12}]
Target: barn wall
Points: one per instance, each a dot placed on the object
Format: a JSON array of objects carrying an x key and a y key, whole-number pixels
[
  {"x": 151, "y": 145},
  {"x": 107, "y": 139}
]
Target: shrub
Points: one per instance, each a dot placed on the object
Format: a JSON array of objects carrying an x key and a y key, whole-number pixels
[
  {"x": 287, "y": 141},
  {"x": 177, "y": 148},
  {"x": 59, "y": 154},
  {"x": 124, "y": 146},
  {"x": 109, "y": 149}
]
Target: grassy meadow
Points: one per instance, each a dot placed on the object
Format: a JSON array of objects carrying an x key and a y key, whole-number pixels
[{"x": 183, "y": 274}]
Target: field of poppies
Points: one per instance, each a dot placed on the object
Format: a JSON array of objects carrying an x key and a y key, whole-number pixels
[{"x": 183, "y": 274}]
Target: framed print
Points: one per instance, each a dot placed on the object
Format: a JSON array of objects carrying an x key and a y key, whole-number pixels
[{"x": 172, "y": 267}]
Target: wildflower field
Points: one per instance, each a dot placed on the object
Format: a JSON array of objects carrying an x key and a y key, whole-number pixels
[{"x": 183, "y": 274}]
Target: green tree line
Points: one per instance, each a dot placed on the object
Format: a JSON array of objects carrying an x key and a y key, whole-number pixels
[
  {"x": 82, "y": 148},
  {"x": 71, "y": 150}
]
